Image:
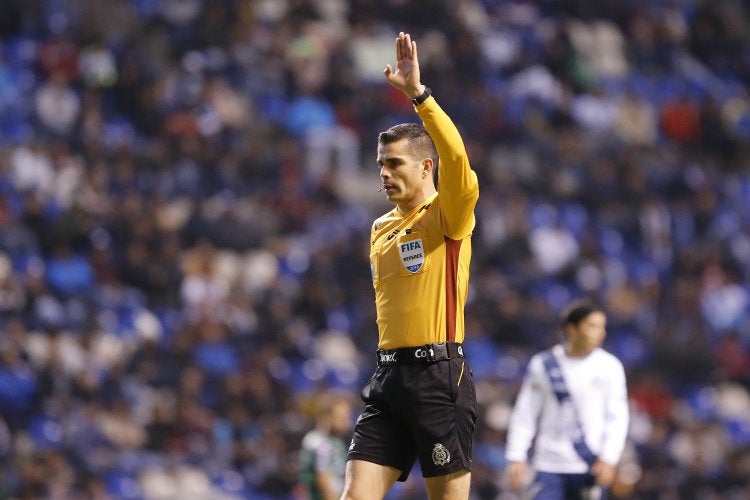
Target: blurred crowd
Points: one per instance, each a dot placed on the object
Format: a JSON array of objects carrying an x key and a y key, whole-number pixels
[{"x": 186, "y": 192}]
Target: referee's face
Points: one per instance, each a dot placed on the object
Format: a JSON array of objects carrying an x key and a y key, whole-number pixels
[{"x": 406, "y": 179}]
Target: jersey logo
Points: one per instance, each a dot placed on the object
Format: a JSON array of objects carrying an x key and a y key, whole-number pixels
[{"x": 412, "y": 254}]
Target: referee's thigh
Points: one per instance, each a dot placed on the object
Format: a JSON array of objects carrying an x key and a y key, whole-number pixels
[
  {"x": 453, "y": 486},
  {"x": 367, "y": 480}
]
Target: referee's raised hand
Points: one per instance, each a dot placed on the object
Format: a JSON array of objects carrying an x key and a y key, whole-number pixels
[{"x": 406, "y": 77}]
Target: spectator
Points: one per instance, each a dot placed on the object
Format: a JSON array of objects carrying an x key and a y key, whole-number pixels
[{"x": 57, "y": 105}]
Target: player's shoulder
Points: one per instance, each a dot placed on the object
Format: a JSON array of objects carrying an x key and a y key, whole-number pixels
[
  {"x": 313, "y": 439},
  {"x": 536, "y": 362},
  {"x": 607, "y": 357}
]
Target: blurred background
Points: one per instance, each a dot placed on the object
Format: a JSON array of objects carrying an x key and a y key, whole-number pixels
[{"x": 186, "y": 192}]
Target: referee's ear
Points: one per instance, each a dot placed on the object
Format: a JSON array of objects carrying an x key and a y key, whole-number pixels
[{"x": 427, "y": 167}]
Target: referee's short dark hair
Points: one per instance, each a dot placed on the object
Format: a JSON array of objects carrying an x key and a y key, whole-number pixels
[
  {"x": 420, "y": 142},
  {"x": 574, "y": 313}
]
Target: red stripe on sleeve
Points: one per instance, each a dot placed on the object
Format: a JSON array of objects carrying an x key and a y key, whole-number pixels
[{"x": 452, "y": 249}]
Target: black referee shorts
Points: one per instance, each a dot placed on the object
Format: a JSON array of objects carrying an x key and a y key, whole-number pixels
[{"x": 424, "y": 411}]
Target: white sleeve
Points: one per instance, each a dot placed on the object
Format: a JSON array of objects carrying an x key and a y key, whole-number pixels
[
  {"x": 617, "y": 416},
  {"x": 526, "y": 410}
]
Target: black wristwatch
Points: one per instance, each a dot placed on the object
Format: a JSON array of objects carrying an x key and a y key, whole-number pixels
[{"x": 422, "y": 98}]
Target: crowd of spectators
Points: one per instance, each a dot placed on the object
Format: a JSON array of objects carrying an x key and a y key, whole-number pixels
[{"x": 186, "y": 191}]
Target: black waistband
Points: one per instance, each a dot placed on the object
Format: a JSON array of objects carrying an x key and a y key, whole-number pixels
[{"x": 422, "y": 354}]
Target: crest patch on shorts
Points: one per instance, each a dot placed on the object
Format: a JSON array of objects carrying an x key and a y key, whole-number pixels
[{"x": 440, "y": 455}]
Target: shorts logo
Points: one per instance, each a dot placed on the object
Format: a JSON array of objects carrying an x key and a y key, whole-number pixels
[
  {"x": 412, "y": 254},
  {"x": 387, "y": 357},
  {"x": 424, "y": 353},
  {"x": 440, "y": 455}
]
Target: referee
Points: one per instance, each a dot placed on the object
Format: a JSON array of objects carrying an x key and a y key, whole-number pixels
[{"x": 420, "y": 402}]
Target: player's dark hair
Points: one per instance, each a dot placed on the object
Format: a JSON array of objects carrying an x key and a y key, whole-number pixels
[{"x": 576, "y": 311}]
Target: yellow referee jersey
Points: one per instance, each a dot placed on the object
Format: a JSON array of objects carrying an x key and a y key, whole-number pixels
[{"x": 420, "y": 261}]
